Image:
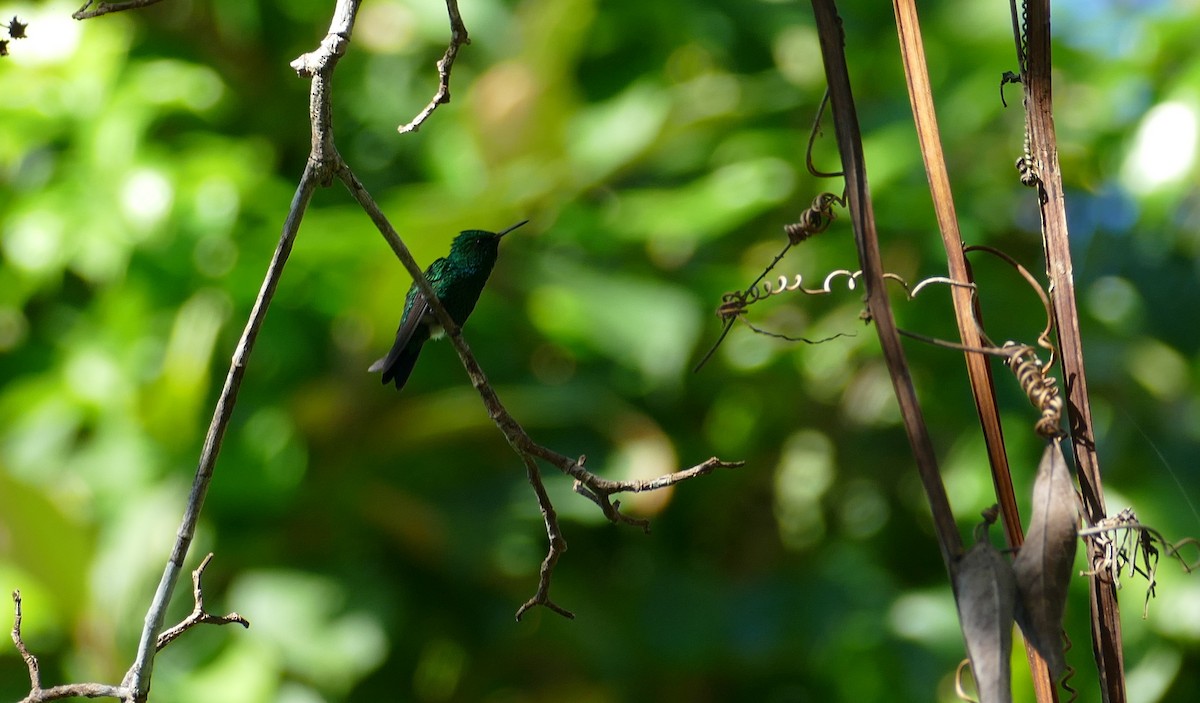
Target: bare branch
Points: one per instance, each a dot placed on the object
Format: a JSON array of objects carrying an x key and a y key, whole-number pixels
[
  {"x": 104, "y": 8},
  {"x": 79, "y": 690},
  {"x": 199, "y": 616},
  {"x": 37, "y": 694},
  {"x": 594, "y": 488},
  {"x": 558, "y": 545},
  {"x": 458, "y": 37},
  {"x": 599, "y": 490},
  {"x": 322, "y": 161},
  {"x": 35, "y": 677},
  {"x": 607, "y": 487},
  {"x": 138, "y": 677}
]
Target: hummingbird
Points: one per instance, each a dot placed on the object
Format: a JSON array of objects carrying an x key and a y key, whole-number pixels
[{"x": 457, "y": 279}]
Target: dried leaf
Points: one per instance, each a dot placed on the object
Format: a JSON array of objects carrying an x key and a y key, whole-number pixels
[
  {"x": 986, "y": 591},
  {"x": 1045, "y": 562}
]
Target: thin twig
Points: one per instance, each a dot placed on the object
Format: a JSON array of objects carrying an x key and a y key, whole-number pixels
[
  {"x": 558, "y": 545},
  {"x": 599, "y": 490},
  {"x": 139, "y": 675},
  {"x": 790, "y": 338},
  {"x": 37, "y": 694},
  {"x": 198, "y": 615},
  {"x": 458, "y": 37},
  {"x": 35, "y": 676},
  {"x": 812, "y": 138},
  {"x": 814, "y": 220},
  {"x": 729, "y": 323},
  {"x": 104, "y": 8},
  {"x": 321, "y": 63}
]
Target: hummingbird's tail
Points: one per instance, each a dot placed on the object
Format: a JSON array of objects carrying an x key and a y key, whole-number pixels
[{"x": 398, "y": 365}]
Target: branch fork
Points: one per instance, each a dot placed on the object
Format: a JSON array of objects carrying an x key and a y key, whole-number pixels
[{"x": 199, "y": 616}]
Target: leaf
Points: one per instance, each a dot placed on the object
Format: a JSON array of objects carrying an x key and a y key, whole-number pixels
[
  {"x": 1044, "y": 564},
  {"x": 986, "y": 591}
]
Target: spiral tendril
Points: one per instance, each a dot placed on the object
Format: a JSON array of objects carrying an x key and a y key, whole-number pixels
[
  {"x": 1069, "y": 673},
  {"x": 1042, "y": 390},
  {"x": 816, "y": 219},
  {"x": 734, "y": 303},
  {"x": 1026, "y": 168}
]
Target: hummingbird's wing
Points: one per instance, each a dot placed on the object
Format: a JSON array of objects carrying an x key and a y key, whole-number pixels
[{"x": 408, "y": 327}]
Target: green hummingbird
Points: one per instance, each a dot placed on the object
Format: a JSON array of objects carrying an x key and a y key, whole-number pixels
[{"x": 457, "y": 279}]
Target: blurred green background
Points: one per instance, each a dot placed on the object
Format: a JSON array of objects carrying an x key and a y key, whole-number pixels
[{"x": 381, "y": 543}]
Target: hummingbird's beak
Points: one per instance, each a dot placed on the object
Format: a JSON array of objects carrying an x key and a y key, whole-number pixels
[{"x": 501, "y": 234}]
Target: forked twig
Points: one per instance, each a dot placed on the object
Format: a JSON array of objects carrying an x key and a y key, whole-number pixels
[
  {"x": 730, "y": 320},
  {"x": 37, "y": 694},
  {"x": 138, "y": 677},
  {"x": 600, "y": 490},
  {"x": 199, "y": 616},
  {"x": 557, "y": 545}
]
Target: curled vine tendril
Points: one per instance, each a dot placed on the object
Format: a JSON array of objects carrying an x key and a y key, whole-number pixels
[
  {"x": 1005, "y": 79},
  {"x": 812, "y": 137},
  {"x": 1042, "y": 390},
  {"x": 1026, "y": 168},
  {"x": 1069, "y": 672},
  {"x": 735, "y": 303},
  {"x": 816, "y": 219}
]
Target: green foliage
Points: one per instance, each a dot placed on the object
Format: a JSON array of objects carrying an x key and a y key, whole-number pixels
[{"x": 380, "y": 543}]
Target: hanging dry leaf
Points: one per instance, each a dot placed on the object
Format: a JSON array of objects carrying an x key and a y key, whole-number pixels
[
  {"x": 986, "y": 591},
  {"x": 1044, "y": 565}
]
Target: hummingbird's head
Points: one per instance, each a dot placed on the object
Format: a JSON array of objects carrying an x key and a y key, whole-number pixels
[{"x": 476, "y": 242}]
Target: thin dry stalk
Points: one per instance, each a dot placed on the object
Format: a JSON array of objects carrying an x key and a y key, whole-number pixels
[
  {"x": 979, "y": 371},
  {"x": 1043, "y": 146},
  {"x": 858, "y": 197}
]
